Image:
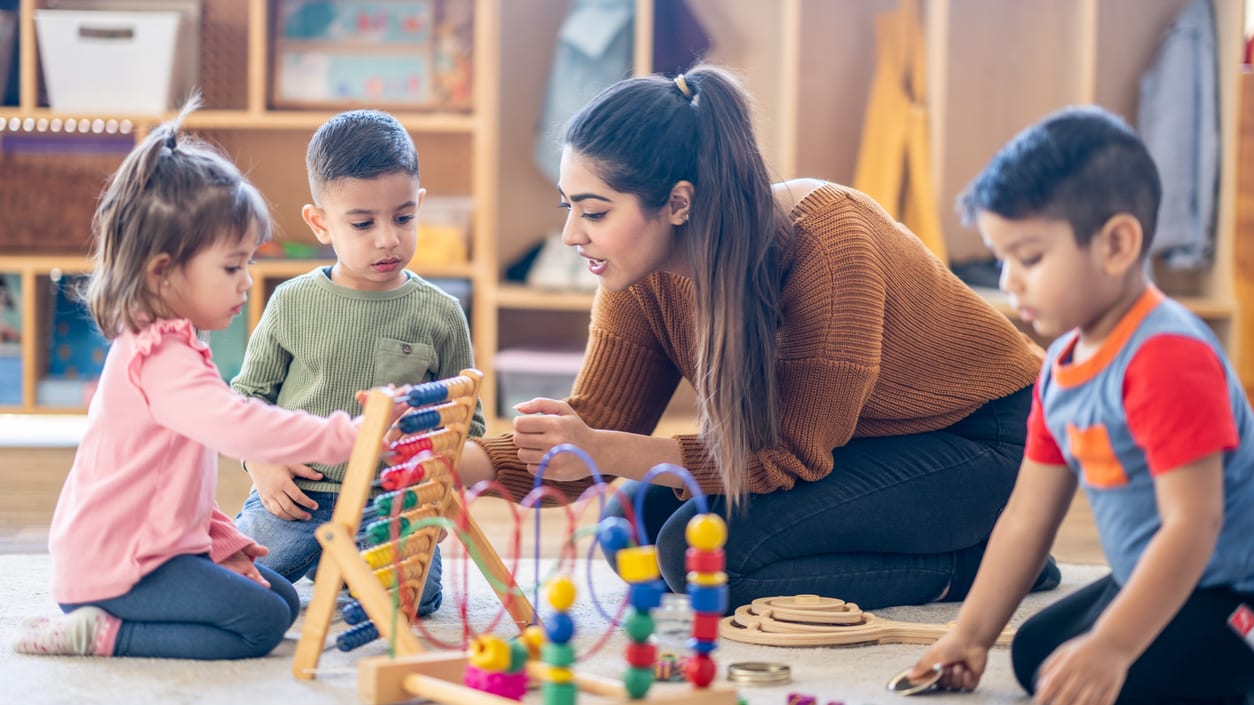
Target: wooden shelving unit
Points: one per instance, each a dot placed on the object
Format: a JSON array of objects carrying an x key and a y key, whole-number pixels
[
  {"x": 457, "y": 150},
  {"x": 810, "y": 100},
  {"x": 809, "y": 64}
]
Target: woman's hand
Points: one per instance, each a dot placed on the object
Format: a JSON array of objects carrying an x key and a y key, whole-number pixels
[
  {"x": 546, "y": 423},
  {"x": 1082, "y": 671},
  {"x": 242, "y": 562},
  {"x": 963, "y": 662}
]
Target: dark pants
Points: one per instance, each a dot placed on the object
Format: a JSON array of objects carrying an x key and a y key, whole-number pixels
[
  {"x": 1196, "y": 657},
  {"x": 193, "y": 608},
  {"x": 896, "y": 522}
]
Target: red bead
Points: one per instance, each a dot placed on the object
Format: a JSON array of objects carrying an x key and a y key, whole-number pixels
[
  {"x": 641, "y": 655},
  {"x": 697, "y": 561},
  {"x": 705, "y": 626},
  {"x": 699, "y": 669}
]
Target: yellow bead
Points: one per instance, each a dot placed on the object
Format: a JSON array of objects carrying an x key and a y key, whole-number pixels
[
  {"x": 533, "y": 638},
  {"x": 561, "y": 593},
  {"x": 557, "y": 674},
  {"x": 489, "y": 653},
  {"x": 638, "y": 564},
  {"x": 706, "y": 532},
  {"x": 707, "y": 579}
]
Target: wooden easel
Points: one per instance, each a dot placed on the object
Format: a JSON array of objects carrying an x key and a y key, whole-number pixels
[{"x": 341, "y": 561}]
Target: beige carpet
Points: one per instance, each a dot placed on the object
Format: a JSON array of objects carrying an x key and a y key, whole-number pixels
[{"x": 855, "y": 675}]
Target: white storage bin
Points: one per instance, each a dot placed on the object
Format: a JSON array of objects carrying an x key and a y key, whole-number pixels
[
  {"x": 527, "y": 373},
  {"x": 108, "y": 62}
]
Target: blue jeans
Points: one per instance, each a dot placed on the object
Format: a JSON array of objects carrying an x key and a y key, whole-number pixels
[
  {"x": 193, "y": 608},
  {"x": 899, "y": 521},
  {"x": 294, "y": 547}
]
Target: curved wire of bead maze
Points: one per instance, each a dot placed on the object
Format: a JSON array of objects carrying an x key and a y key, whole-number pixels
[{"x": 387, "y": 579}]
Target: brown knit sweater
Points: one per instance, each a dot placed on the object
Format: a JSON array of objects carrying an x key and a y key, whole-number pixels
[{"x": 878, "y": 338}]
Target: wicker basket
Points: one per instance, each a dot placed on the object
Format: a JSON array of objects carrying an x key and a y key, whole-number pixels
[{"x": 47, "y": 201}]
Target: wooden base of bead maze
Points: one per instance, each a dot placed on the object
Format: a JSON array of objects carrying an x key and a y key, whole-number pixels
[
  {"x": 437, "y": 677},
  {"x": 810, "y": 620},
  {"x": 342, "y": 563}
]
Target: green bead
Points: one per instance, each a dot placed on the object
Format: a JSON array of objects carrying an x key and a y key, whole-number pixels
[
  {"x": 517, "y": 656},
  {"x": 559, "y": 693},
  {"x": 637, "y": 682},
  {"x": 557, "y": 654},
  {"x": 639, "y": 626}
]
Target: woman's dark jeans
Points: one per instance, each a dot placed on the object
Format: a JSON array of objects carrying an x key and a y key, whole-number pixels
[{"x": 895, "y": 523}]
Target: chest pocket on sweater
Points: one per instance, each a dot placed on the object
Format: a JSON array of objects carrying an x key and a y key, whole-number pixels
[
  {"x": 1091, "y": 447},
  {"x": 401, "y": 362}
]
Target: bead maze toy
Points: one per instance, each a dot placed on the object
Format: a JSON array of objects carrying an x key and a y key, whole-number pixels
[
  {"x": 422, "y": 487},
  {"x": 810, "y": 620},
  {"x": 491, "y": 671}
]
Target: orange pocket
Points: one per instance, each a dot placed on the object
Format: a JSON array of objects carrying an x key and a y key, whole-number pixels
[{"x": 1091, "y": 446}]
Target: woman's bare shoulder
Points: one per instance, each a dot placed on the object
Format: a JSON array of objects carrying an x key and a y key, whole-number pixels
[{"x": 789, "y": 193}]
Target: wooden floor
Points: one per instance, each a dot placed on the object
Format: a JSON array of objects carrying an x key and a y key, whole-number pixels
[{"x": 34, "y": 477}]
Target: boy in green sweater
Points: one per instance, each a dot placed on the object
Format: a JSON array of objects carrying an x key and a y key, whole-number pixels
[{"x": 363, "y": 322}]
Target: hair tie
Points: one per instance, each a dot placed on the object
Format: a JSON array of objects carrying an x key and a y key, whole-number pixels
[
  {"x": 172, "y": 142},
  {"x": 682, "y": 85}
]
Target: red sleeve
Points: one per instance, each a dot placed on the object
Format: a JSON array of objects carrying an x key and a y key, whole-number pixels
[
  {"x": 1041, "y": 446},
  {"x": 1175, "y": 395}
]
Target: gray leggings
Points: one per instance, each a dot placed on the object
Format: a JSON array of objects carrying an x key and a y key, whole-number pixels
[{"x": 193, "y": 608}]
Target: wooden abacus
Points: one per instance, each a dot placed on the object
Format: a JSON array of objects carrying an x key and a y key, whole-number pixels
[
  {"x": 439, "y": 677},
  {"x": 438, "y": 423}
]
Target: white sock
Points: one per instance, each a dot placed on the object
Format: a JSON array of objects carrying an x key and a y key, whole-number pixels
[{"x": 79, "y": 633}]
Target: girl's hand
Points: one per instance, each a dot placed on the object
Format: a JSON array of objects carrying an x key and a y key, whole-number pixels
[
  {"x": 963, "y": 662},
  {"x": 279, "y": 494},
  {"x": 242, "y": 562},
  {"x": 546, "y": 423},
  {"x": 1083, "y": 671}
]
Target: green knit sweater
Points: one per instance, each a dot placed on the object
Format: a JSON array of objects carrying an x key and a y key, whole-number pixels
[{"x": 318, "y": 343}]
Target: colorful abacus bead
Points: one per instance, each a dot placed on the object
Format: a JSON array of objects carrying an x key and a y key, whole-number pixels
[
  {"x": 506, "y": 685},
  {"x": 559, "y": 680},
  {"x": 707, "y": 591},
  {"x": 409, "y": 446},
  {"x": 356, "y": 636}
]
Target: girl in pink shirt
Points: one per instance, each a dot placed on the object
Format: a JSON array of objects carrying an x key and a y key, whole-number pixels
[{"x": 144, "y": 563}]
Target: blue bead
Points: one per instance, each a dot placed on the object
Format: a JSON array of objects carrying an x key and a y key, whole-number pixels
[
  {"x": 419, "y": 421},
  {"x": 708, "y": 599},
  {"x": 428, "y": 393},
  {"x": 357, "y": 636},
  {"x": 646, "y": 596},
  {"x": 559, "y": 627},
  {"x": 700, "y": 646},
  {"x": 354, "y": 613},
  {"x": 614, "y": 534}
]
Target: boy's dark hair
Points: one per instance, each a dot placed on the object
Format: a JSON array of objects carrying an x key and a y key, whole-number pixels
[
  {"x": 359, "y": 144},
  {"x": 1082, "y": 165}
]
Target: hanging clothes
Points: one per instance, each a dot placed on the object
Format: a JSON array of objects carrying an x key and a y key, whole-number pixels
[
  {"x": 894, "y": 162},
  {"x": 594, "y": 50},
  {"x": 679, "y": 39},
  {"x": 1178, "y": 119}
]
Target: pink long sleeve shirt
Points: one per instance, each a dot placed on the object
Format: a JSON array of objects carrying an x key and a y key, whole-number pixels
[{"x": 145, "y": 476}]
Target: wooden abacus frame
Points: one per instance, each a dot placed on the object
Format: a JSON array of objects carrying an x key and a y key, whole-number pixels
[{"x": 342, "y": 563}]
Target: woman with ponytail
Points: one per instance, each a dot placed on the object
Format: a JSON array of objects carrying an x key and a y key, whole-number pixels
[{"x": 861, "y": 411}]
